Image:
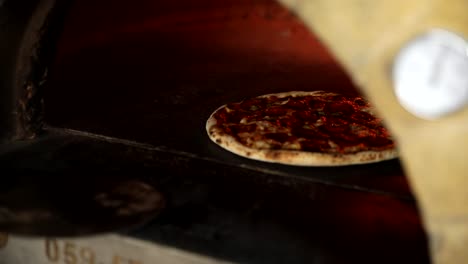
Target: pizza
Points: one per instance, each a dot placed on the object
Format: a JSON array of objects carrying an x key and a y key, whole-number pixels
[{"x": 314, "y": 128}]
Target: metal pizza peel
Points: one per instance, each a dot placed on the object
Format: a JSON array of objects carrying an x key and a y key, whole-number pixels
[{"x": 410, "y": 59}]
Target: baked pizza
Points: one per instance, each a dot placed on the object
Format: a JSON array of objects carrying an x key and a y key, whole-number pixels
[{"x": 302, "y": 128}]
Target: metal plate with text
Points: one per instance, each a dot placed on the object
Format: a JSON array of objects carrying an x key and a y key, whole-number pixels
[{"x": 105, "y": 249}]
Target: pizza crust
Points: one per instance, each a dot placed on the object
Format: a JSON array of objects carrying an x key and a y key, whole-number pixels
[
  {"x": 297, "y": 93},
  {"x": 293, "y": 157}
]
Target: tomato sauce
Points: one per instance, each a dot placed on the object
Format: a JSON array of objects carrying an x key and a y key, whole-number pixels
[{"x": 313, "y": 121}]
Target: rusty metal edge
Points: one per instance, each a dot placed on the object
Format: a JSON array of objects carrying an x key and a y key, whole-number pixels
[{"x": 29, "y": 30}]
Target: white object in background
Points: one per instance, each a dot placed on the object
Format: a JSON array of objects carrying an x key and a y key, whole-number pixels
[{"x": 430, "y": 75}]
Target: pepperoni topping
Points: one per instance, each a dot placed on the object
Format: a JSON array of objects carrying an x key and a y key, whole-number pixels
[{"x": 324, "y": 123}]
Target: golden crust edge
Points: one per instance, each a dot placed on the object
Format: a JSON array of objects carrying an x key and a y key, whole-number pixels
[{"x": 297, "y": 93}]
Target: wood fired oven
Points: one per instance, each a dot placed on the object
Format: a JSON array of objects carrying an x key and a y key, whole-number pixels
[{"x": 106, "y": 99}]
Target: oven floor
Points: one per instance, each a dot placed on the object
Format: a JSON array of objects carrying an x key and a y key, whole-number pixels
[{"x": 230, "y": 213}]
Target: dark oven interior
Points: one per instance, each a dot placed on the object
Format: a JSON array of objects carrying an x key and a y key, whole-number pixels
[
  {"x": 124, "y": 89},
  {"x": 153, "y": 74}
]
